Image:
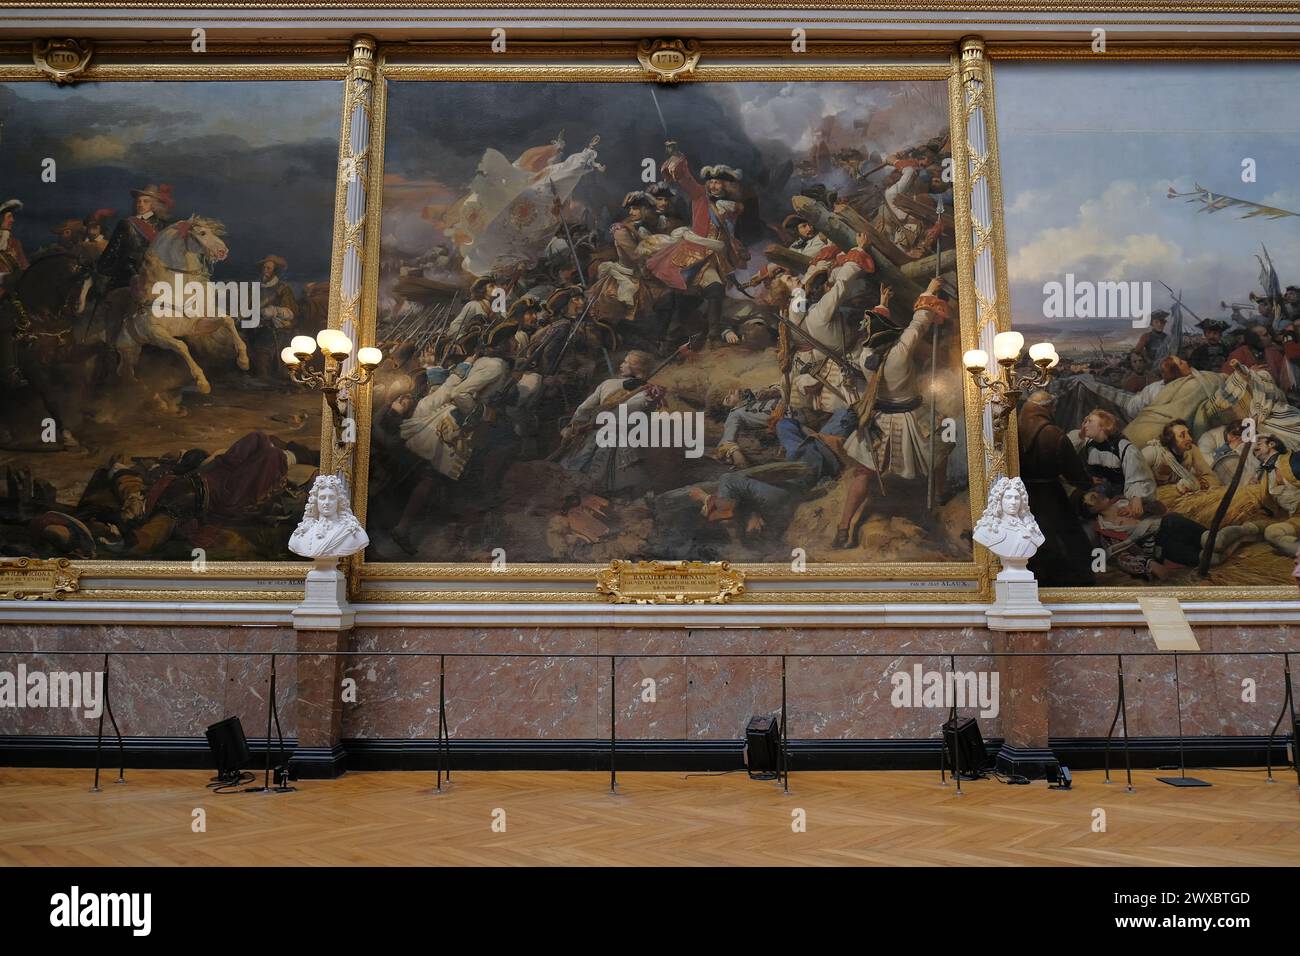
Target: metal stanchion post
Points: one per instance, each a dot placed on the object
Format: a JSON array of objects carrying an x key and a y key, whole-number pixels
[
  {"x": 785, "y": 735},
  {"x": 99, "y": 740},
  {"x": 956, "y": 741},
  {"x": 1288, "y": 704},
  {"x": 1121, "y": 712},
  {"x": 444, "y": 733},
  {"x": 613, "y": 779}
]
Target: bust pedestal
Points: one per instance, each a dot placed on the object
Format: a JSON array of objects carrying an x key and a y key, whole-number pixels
[
  {"x": 322, "y": 622},
  {"x": 1016, "y": 606},
  {"x": 1019, "y": 623},
  {"x": 325, "y": 604}
]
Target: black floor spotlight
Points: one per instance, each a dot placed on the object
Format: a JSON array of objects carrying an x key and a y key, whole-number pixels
[
  {"x": 763, "y": 748},
  {"x": 230, "y": 750},
  {"x": 963, "y": 748}
]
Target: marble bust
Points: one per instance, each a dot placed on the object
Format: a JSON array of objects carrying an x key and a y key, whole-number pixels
[
  {"x": 1007, "y": 527},
  {"x": 328, "y": 528}
]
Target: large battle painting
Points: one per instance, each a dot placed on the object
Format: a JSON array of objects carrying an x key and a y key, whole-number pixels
[
  {"x": 1153, "y": 232},
  {"x": 717, "y": 321},
  {"x": 159, "y": 244}
]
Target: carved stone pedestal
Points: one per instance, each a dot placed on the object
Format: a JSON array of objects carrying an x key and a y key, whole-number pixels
[
  {"x": 1016, "y": 606},
  {"x": 325, "y": 604}
]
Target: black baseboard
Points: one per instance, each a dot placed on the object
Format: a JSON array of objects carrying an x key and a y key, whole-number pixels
[
  {"x": 1030, "y": 763},
  {"x": 318, "y": 763},
  {"x": 140, "y": 753},
  {"x": 180, "y": 753}
]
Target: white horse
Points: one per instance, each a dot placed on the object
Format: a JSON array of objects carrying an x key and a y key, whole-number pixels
[{"x": 184, "y": 253}]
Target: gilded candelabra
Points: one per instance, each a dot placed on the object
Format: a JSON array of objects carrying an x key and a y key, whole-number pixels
[
  {"x": 1004, "y": 390},
  {"x": 330, "y": 379}
]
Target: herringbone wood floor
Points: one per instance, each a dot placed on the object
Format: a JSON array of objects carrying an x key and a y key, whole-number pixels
[{"x": 884, "y": 818}]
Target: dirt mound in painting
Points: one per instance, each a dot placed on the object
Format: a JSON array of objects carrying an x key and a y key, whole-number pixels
[
  {"x": 890, "y": 529},
  {"x": 1254, "y": 565}
]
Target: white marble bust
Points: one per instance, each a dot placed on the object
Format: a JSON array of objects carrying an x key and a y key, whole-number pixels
[
  {"x": 328, "y": 528},
  {"x": 1007, "y": 527}
]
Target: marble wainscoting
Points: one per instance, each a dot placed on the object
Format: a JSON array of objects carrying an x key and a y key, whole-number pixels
[
  {"x": 694, "y": 698},
  {"x": 157, "y": 696},
  {"x": 1083, "y": 690}
]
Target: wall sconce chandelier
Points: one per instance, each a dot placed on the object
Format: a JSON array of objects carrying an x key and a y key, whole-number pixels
[
  {"x": 1004, "y": 390},
  {"x": 336, "y": 348}
]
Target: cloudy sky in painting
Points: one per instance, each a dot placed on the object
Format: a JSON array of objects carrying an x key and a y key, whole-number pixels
[
  {"x": 1089, "y": 151},
  {"x": 259, "y": 156},
  {"x": 437, "y": 133}
]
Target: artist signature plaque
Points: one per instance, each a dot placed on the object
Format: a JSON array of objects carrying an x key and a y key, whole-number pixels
[
  {"x": 670, "y": 582},
  {"x": 32, "y": 579}
]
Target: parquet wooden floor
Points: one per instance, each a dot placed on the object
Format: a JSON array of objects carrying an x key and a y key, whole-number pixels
[{"x": 48, "y": 817}]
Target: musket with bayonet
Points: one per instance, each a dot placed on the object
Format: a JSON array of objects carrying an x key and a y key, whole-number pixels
[
  {"x": 1173, "y": 295},
  {"x": 843, "y": 361},
  {"x": 582, "y": 278}
]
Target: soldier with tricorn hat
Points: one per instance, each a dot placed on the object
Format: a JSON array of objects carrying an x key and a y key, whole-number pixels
[
  {"x": 667, "y": 216},
  {"x": 809, "y": 241},
  {"x": 525, "y": 312},
  {"x": 441, "y": 428},
  {"x": 1154, "y": 342},
  {"x": 1211, "y": 354},
  {"x": 478, "y": 310},
  {"x": 703, "y": 259}
]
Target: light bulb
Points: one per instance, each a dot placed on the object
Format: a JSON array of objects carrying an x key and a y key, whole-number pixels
[
  {"x": 1007, "y": 346},
  {"x": 975, "y": 359},
  {"x": 303, "y": 345}
]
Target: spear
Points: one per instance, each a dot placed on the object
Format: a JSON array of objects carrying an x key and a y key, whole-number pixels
[
  {"x": 1175, "y": 297},
  {"x": 559, "y": 211}
]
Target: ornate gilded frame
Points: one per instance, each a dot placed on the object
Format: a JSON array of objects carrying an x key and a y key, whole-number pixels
[
  {"x": 336, "y": 58},
  {"x": 720, "y": 61},
  {"x": 1123, "y": 50},
  {"x": 127, "y": 61}
]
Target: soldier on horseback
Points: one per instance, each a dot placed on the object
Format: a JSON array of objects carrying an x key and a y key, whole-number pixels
[{"x": 123, "y": 258}]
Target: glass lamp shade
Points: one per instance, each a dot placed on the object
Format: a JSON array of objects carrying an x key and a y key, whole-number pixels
[
  {"x": 1041, "y": 351},
  {"x": 334, "y": 343},
  {"x": 1007, "y": 346},
  {"x": 303, "y": 345},
  {"x": 975, "y": 360},
  {"x": 288, "y": 357},
  {"x": 369, "y": 357}
]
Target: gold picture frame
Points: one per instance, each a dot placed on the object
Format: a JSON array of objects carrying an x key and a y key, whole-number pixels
[
  {"x": 129, "y": 60},
  {"x": 1124, "y": 50},
  {"x": 720, "y": 61}
]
